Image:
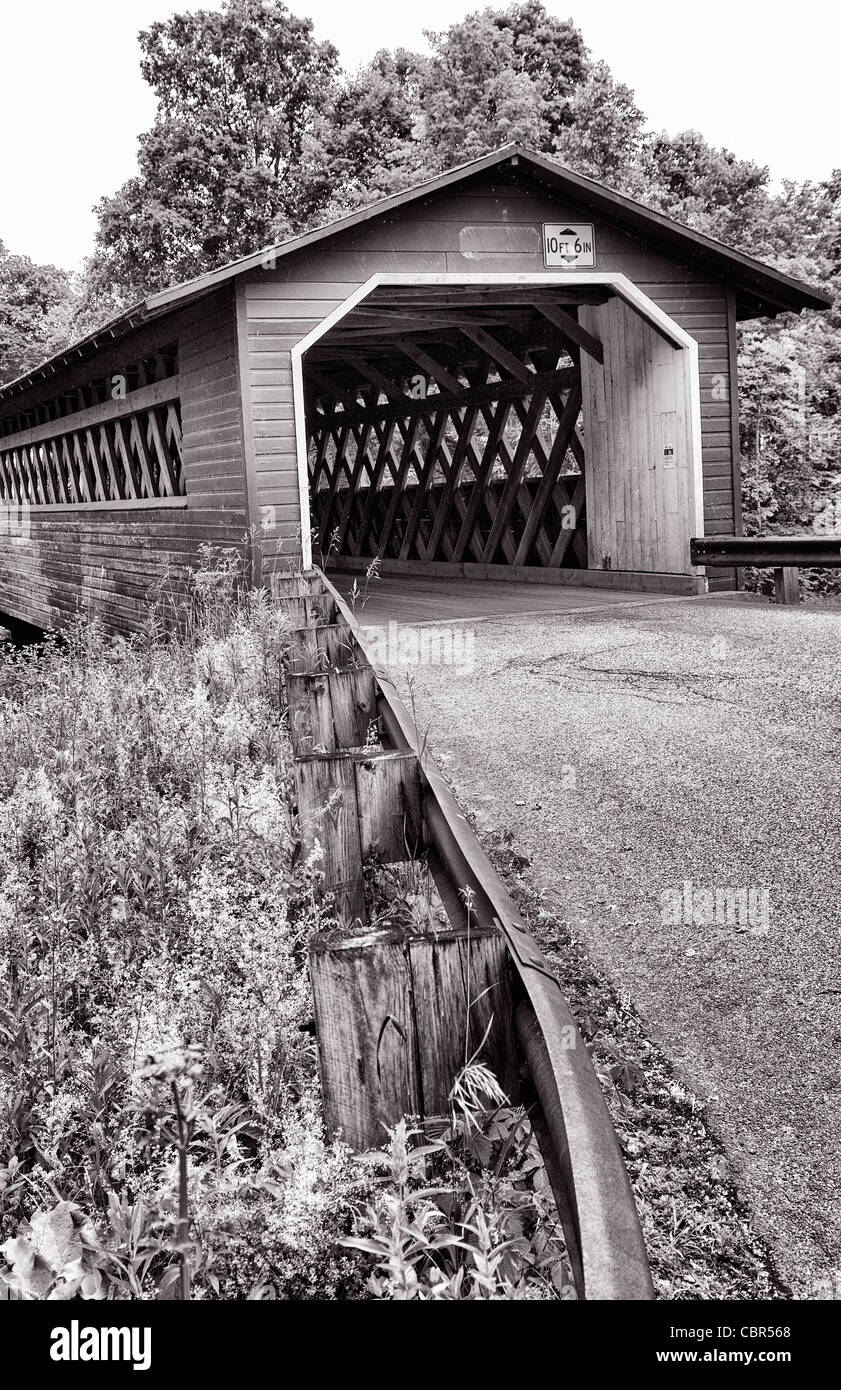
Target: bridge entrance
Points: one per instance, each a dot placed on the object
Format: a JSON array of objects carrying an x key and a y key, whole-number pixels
[{"x": 519, "y": 430}]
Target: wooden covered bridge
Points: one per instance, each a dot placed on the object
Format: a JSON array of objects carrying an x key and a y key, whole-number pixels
[{"x": 508, "y": 372}]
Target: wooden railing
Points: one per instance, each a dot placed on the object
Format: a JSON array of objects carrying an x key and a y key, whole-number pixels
[
  {"x": 118, "y": 451},
  {"x": 343, "y": 690}
]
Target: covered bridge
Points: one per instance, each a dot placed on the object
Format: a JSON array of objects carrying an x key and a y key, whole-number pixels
[{"x": 509, "y": 371}]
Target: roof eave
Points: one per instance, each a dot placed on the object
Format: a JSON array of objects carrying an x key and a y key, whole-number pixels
[{"x": 752, "y": 279}]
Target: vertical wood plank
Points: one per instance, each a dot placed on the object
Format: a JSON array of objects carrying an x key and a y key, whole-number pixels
[
  {"x": 329, "y": 816},
  {"x": 396, "y": 1020},
  {"x": 389, "y": 797}
]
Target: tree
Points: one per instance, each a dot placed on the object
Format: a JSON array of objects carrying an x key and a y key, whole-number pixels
[
  {"x": 37, "y": 303},
  {"x": 499, "y": 76},
  {"x": 230, "y": 163},
  {"x": 707, "y": 188},
  {"x": 603, "y": 136},
  {"x": 551, "y": 52},
  {"x": 371, "y": 139}
]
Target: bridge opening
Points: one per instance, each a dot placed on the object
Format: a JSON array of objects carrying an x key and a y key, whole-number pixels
[
  {"x": 444, "y": 431},
  {"x": 526, "y": 431}
]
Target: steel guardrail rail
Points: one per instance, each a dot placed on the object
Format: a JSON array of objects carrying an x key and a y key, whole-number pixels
[
  {"x": 569, "y": 1114},
  {"x": 778, "y": 551}
]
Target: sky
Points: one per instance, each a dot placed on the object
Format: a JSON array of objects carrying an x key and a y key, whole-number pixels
[{"x": 760, "y": 78}]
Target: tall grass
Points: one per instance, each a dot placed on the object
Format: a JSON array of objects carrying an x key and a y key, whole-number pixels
[{"x": 160, "y": 1130}]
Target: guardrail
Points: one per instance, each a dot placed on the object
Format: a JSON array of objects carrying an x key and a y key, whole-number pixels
[
  {"x": 568, "y": 1111},
  {"x": 783, "y": 553}
]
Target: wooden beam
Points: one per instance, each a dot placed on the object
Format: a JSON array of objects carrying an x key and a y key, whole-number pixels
[
  {"x": 434, "y": 437},
  {"x": 499, "y": 353},
  {"x": 93, "y": 454},
  {"x": 136, "y": 437},
  {"x": 160, "y": 391},
  {"x": 108, "y": 455},
  {"x": 559, "y": 380},
  {"x": 166, "y": 470},
  {"x": 124, "y": 450},
  {"x": 470, "y": 297},
  {"x": 571, "y": 329},
  {"x": 324, "y": 384},
  {"x": 429, "y": 365},
  {"x": 363, "y": 366},
  {"x": 496, "y": 430},
  {"x": 521, "y": 453},
  {"x": 560, "y": 444}
]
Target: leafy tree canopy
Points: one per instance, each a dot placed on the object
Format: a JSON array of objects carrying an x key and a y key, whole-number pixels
[
  {"x": 37, "y": 312},
  {"x": 229, "y": 163}
]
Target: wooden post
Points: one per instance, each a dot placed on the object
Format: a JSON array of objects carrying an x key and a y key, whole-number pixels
[
  {"x": 305, "y": 611},
  {"x": 314, "y": 649},
  {"x": 331, "y": 711},
  {"x": 353, "y": 700},
  {"x": 328, "y": 813},
  {"x": 786, "y": 584},
  {"x": 358, "y": 806},
  {"x": 394, "y": 1027},
  {"x": 295, "y": 585},
  {"x": 388, "y": 793}
]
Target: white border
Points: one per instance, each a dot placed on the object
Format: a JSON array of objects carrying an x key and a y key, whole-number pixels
[{"x": 620, "y": 285}]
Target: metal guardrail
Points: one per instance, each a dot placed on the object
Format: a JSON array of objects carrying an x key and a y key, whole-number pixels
[
  {"x": 568, "y": 1111},
  {"x": 783, "y": 553},
  {"x": 764, "y": 551}
]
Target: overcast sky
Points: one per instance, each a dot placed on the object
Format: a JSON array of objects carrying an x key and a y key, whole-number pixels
[{"x": 761, "y": 78}]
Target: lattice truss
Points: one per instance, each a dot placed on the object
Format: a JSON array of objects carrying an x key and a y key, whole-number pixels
[
  {"x": 89, "y": 447},
  {"x": 441, "y": 430}
]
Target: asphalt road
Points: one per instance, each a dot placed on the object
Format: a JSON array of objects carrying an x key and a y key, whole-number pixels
[{"x": 638, "y": 750}]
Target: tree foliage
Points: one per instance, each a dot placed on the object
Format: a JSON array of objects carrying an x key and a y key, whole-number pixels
[
  {"x": 36, "y": 312},
  {"x": 230, "y": 162},
  {"x": 258, "y": 135}
]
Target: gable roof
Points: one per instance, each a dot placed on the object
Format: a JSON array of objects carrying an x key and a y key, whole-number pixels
[{"x": 761, "y": 290}]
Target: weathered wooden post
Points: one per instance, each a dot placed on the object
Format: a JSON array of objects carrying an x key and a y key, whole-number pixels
[
  {"x": 325, "y": 648},
  {"x": 357, "y": 805},
  {"x": 331, "y": 710},
  {"x": 397, "y": 1016},
  {"x": 786, "y": 584},
  {"x": 397, "y": 1013}
]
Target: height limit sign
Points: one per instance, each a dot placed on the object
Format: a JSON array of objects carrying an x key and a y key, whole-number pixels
[{"x": 569, "y": 245}]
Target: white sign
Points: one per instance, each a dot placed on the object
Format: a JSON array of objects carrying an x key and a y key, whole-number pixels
[{"x": 569, "y": 245}]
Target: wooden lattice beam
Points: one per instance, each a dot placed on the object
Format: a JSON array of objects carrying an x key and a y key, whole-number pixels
[
  {"x": 472, "y": 471},
  {"x": 428, "y": 364},
  {"x": 559, "y": 380},
  {"x": 499, "y": 353},
  {"x": 570, "y": 328},
  {"x": 104, "y": 457}
]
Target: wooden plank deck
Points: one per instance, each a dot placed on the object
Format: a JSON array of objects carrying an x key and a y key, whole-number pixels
[{"x": 407, "y": 599}]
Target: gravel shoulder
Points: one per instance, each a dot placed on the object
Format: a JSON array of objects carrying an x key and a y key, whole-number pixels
[{"x": 632, "y": 752}]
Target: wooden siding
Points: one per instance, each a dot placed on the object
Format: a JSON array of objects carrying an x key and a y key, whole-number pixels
[
  {"x": 638, "y": 436},
  {"x": 285, "y": 303},
  {"x": 211, "y": 406},
  {"x": 103, "y": 559}
]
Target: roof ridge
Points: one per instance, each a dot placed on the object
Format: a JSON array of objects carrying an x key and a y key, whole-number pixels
[{"x": 764, "y": 283}]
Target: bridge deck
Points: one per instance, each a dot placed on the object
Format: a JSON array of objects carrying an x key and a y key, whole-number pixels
[{"x": 405, "y": 599}]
